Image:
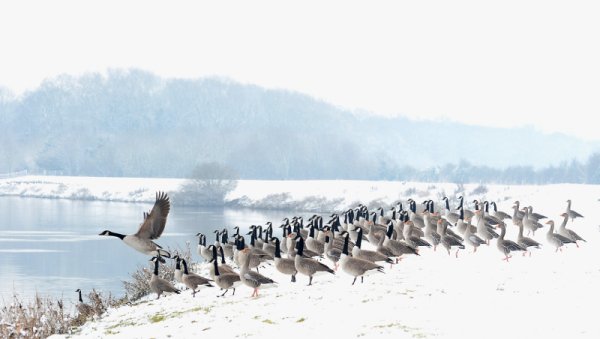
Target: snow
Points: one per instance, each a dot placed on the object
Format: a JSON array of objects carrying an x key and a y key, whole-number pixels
[{"x": 547, "y": 295}]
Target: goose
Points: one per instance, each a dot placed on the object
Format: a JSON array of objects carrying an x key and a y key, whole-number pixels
[
  {"x": 483, "y": 230},
  {"x": 535, "y": 216},
  {"x": 151, "y": 229},
  {"x": 307, "y": 266},
  {"x": 178, "y": 274},
  {"x": 314, "y": 244},
  {"x": 82, "y": 307},
  {"x": 468, "y": 213},
  {"x": 518, "y": 215},
  {"x": 471, "y": 238},
  {"x": 447, "y": 240},
  {"x": 572, "y": 214},
  {"x": 413, "y": 240},
  {"x": 268, "y": 246},
  {"x": 506, "y": 246},
  {"x": 250, "y": 278},
  {"x": 499, "y": 214},
  {"x": 223, "y": 268},
  {"x": 225, "y": 281},
  {"x": 555, "y": 239},
  {"x": 226, "y": 245},
  {"x": 192, "y": 280},
  {"x": 431, "y": 234},
  {"x": 526, "y": 242},
  {"x": 372, "y": 256},
  {"x": 202, "y": 250},
  {"x": 160, "y": 285},
  {"x": 564, "y": 231},
  {"x": 529, "y": 222},
  {"x": 356, "y": 267},
  {"x": 462, "y": 225},
  {"x": 397, "y": 248},
  {"x": 448, "y": 215},
  {"x": 292, "y": 249},
  {"x": 284, "y": 265},
  {"x": 255, "y": 260},
  {"x": 332, "y": 253}
]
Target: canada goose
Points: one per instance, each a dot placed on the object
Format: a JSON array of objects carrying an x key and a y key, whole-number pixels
[
  {"x": 250, "y": 278},
  {"x": 307, "y": 266},
  {"x": 314, "y": 244},
  {"x": 255, "y": 260},
  {"x": 152, "y": 227},
  {"x": 555, "y": 239},
  {"x": 223, "y": 268},
  {"x": 447, "y": 240},
  {"x": 506, "y": 246},
  {"x": 398, "y": 248},
  {"x": 572, "y": 214},
  {"x": 226, "y": 245},
  {"x": 526, "y": 242},
  {"x": 268, "y": 246},
  {"x": 284, "y": 265},
  {"x": 293, "y": 249},
  {"x": 225, "y": 281},
  {"x": 562, "y": 230},
  {"x": 178, "y": 272},
  {"x": 499, "y": 214},
  {"x": 372, "y": 256},
  {"x": 160, "y": 285},
  {"x": 192, "y": 280},
  {"x": 468, "y": 213},
  {"x": 448, "y": 215},
  {"x": 202, "y": 250},
  {"x": 356, "y": 267},
  {"x": 83, "y": 308}
]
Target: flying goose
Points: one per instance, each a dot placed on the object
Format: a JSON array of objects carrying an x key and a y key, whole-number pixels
[
  {"x": 356, "y": 267},
  {"x": 160, "y": 285},
  {"x": 284, "y": 265},
  {"x": 151, "y": 229},
  {"x": 506, "y": 246},
  {"x": 192, "y": 280},
  {"x": 82, "y": 307},
  {"x": 308, "y": 266},
  {"x": 564, "y": 231},
  {"x": 555, "y": 239},
  {"x": 572, "y": 214},
  {"x": 250, "y": 278}
]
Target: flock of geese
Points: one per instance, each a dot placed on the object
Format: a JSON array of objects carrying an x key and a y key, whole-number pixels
[{"x": 303, "y": 247}]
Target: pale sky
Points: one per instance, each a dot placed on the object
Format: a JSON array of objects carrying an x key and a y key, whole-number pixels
[{"x": 500, "y": 63}]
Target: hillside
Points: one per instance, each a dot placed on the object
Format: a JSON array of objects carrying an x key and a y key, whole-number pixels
[{"x": 133, "y": 123}]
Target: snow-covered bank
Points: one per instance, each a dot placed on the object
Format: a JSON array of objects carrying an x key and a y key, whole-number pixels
[
  {"x": 308, "y": 195},
  {"x": 546, "y": 295}
]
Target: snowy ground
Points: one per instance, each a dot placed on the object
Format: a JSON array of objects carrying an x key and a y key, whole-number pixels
[{"x": 548, "y": 295}]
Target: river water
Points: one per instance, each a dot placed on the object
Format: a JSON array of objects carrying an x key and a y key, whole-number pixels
[{"x": 52, "y": 246}]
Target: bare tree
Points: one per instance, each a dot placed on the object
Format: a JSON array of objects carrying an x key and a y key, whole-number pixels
[{"x": 208, "y": 185}]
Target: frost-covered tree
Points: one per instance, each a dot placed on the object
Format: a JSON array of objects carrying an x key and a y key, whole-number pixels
[{"x": 207, "y": 186}]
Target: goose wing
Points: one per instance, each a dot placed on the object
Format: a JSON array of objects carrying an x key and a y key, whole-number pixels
[
  {"x": 512, "y": 246},
  {"x": 155, "y": 221}
]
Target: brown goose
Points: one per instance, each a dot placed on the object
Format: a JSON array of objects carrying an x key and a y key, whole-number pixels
[
  {"x": 354, "y": 266},
  {"x": 284, "y": 265},
  {"x": 307, "y": 266},
  {"x": 555, "y": 239},
  {"x": 192, "y": 280},
  {"x": 506, "y": 246},
  {"x": 447, "y": 240},
  {"x": 564, "y": 231},
  {"x": 160, "y": 285},
  {"x": 572, "y": 214},
  {"x": 372, "y": 256},
  {"x": 250, "y": 278},
  {"x": 223, "y": 267},
  {"x": 526, "y": 242},
  {"x": 472, "y": 239}
]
